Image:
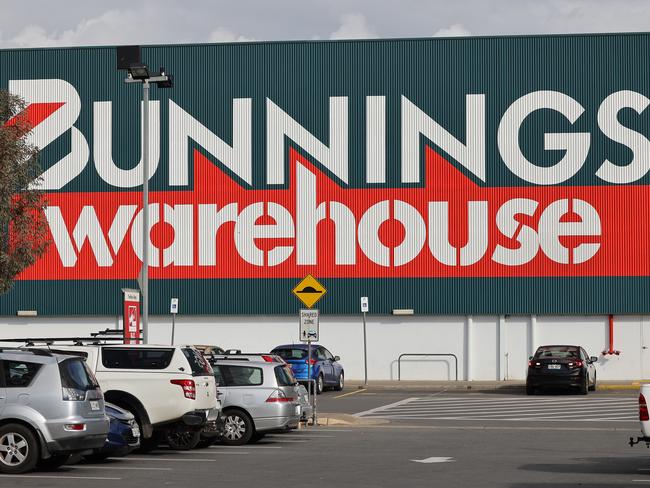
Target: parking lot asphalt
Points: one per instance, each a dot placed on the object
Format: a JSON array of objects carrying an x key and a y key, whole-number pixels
[{"x": 429, "y": 440}]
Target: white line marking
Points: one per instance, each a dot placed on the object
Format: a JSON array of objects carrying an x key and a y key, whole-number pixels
[
  {"x": 384, "y": 407},
  {"x": 154, "y": 458},
  {"x": 524, "y": 399},
  {"x": 95, "y": 478},
  {"x": 485, "y": 419},
  {"x": 111, "y": 468},
  {"x": 541, "y": 408},
  {"x": 193, "y": 453},
  {"x": 286, "y": 441},
  {"x": 286, "y": 436},
  {"x": 245, "y": 447},
  {"x": 488, "y": 403},
  {"x": 430, "y": 460},
  {"x": 515, "y": 413}
]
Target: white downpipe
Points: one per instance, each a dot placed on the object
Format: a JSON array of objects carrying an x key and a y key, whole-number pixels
[
  {"x": 532, "y": 346},
  {"x": 502, "y": 351},
  {"x": 469, "y": 325}
]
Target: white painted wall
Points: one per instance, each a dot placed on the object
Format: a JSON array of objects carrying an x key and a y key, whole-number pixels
[{"x": 482, "y": 353}]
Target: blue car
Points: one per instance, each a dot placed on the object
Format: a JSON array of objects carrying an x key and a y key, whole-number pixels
[
  {"x": 123, "y": 435},
  {"x": 325, "y": 368}
]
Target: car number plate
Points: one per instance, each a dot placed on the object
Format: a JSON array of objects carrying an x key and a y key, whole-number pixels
[
  {"x": 94, "y": 405},
  {"x": 554, "y": 366}
]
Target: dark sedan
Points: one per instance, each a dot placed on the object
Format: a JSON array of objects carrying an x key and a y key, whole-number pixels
[{"x": 561, "y": 366}]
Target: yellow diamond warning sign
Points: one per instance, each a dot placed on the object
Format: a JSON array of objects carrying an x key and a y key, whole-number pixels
[{"x": 309, "y": 291}]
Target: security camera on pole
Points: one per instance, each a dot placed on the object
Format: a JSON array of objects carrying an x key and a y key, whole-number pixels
[{"x": 309, "y": 291}]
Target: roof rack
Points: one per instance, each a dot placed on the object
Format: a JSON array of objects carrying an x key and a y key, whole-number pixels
[
  {"x": 96, "y": 338},
  {"x": 109, "y": 332}
]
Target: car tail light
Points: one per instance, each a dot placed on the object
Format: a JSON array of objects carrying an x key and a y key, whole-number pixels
[
  {"x": 534, "y": 364},
  {"x": 74, "y": 427},
  {"x": 312, "y": 362},
  {"x": 189, "y": 387},
  {"x": 278, "y": 396},
  {"x": 576, "y": 364},
  {"x": 643, "y": 409},
  {"x": 73, "y": 394},
  {"x": 268, "y": 359}
]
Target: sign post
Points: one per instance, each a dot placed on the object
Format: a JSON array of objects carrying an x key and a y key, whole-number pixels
[
  {"x": 131, "y": 315},
  {"x": 364, "y": 310},
  {"x": 309, "y": 291},
  {"x": 173, "y": 311},
  {"x": 309, "y": 332}
]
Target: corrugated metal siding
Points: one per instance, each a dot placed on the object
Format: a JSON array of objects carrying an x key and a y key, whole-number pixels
[{"x": 347, "y": 108}]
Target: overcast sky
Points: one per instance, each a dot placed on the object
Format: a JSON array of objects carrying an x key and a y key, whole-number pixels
[{"x": 92, "y": 22}]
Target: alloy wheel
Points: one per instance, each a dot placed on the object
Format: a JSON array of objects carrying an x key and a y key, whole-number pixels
[
  {"x": 234, "y": 428},
  {"x": 14, "y": 449}
]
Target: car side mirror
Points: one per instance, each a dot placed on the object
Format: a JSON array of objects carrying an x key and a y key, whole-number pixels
[
  {"x": 530, "y": 358},
  {"x": 337, "y": 358},
  {"x": 593, "y": 359}
]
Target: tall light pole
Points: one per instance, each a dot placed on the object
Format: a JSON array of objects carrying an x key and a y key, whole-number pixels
[{"x": 129, "y": 58}]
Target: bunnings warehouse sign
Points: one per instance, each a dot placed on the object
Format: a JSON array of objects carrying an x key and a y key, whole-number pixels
[{"x": 501, "y": 175}]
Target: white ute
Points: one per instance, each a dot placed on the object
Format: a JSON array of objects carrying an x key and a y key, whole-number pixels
[
  {"x": 170, "y": 390},
  {"x": 644, "y": 416}
]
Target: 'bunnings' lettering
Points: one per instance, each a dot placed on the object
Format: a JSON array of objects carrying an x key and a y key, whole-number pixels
[{"x": 415, "y": 125}]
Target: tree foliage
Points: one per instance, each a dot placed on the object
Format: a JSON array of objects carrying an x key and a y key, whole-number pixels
[{"x": 23, "y": 229}]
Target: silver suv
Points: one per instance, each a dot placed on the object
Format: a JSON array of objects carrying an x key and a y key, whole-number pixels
[
  {"x": 51, "y": 406},
  {"x": 257, "y": 397}
]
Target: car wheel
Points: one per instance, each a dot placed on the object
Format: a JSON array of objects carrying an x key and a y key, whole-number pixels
[
  {"x": 18, "y": 449},
  {"x": 339, "y": 386},
  {"x": 182, "y": 439},
  {"x": 238, "y": 428},
  {"x": 53, "y": 462},
  {"x": 584, "y": 387},
  {"x": 593, "y": 387},
  {"x": 320, "y": 384},
  {"x": 530, "y": 389}
]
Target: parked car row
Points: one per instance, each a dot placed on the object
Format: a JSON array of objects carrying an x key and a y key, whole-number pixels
[{"x": 99, "y": 399}]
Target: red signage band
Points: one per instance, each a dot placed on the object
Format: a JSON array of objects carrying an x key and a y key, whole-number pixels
[{"x": 449, "y": 227}]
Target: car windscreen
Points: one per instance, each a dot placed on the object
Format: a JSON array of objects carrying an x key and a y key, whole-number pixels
[
  {"x": 230, "y": 375},
  {"x": 558, "y": 352},
  {"x": 198, "y": 363},
  {"x": 136, "y": 358},
  {"x": 284, "y": 376},
  {"x": 76, "y": 374},
  {"x": 292, "y": 353}
]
